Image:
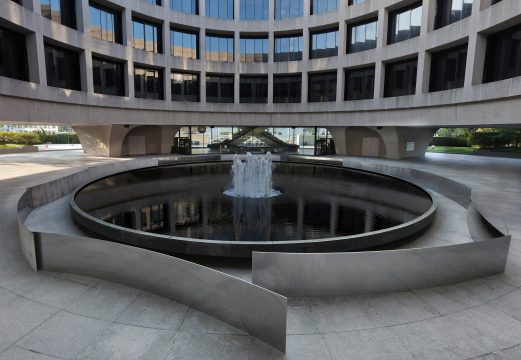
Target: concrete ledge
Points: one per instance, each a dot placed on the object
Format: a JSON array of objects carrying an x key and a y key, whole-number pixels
[{"x": 19, "y": 150}]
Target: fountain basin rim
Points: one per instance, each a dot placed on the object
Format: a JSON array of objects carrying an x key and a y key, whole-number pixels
[{"x": 92, "y": 222}]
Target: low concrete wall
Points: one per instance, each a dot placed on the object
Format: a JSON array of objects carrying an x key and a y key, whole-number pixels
[{"x": 18, "y": 150}]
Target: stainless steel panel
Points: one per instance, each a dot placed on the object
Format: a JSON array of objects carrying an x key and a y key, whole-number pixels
[
  {"x": 249, "y": 307},
  {"x": 374, "y": 272}
]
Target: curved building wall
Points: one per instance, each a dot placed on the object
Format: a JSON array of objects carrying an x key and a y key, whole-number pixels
[{"x": 475, "y": 103}]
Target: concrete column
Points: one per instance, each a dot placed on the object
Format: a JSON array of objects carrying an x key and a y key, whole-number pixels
[
  {"x": 82, "y": 15},
  {"x": 379, "y": 80},
  {"x": 340, "y": 85},
  {"x": 32, "y": 42},
  {"x": 166, "y": 50},
  {"x": 202, "y": 74},
  {"x": 237, "y": 61},
  {"x": 167, "y": 84},
  {"x": 87, "y": 83},
  {"x": 428, "y": 16},
  {"x": 476, "y": 52},
  {"x": 307, "y": 8},
  {"x": 127, "y": 37},
  {"x": 126, "y": 19},
  {"x": 36, "y": 6},
  {"x": 305, "y": 58},
  {"x": 383, "y": 19},
  {"x": 339, "y": 136},
  {"x": 424, "y": 69},
  {"x": 342, "y": 38},
  {"x": 236, "y": 9},
  {"x": 271, "y": 10},
  {"x": 202, "y": 7},
  {"x": 422, "y": 76}
]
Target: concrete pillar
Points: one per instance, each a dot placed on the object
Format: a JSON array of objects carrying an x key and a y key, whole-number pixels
[
  {"x": 305, "y": 57},
  {"x": 383, "y": 19},
  {"x": 166, "y": 70},
  {"x": 87, "y": 82},
  {"x": 340, "y": 78},
  {"x": 379, "y": 80},
  {"x": 428, "y": 16},
  {"x": 339, "y": 137},
  {"x": 82, "y": 15},
  {"x": 36, "y": 6},
  {"x": 476, "y": 52},
  {"x": 423, "y": 74},
  {"x": 237, "y": 60},
  {"x": 42, "y": 71},
  {"x": 33, "y": 62},
  {"x": 126, "y": 19},
  {"x": 202, "y": 74}
]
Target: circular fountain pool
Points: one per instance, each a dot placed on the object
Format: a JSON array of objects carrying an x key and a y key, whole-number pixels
[{"x": 182, "y": 208}]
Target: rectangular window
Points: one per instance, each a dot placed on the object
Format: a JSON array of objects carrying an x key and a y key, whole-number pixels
[
  {"x": 219, "y": 48},
  {"x": 147, "y": 36},
  {"x": 323, "y": 43},
  {"x": 322, "y": 87},
  {"x": 13, "y": 55},
  {"x": 254, "y": 49},
  {"x": 254, "y": 89},
  {"x": 288, "y": 9},
  {"x": 148, "y": 83},
  {"x": 359, "y": 84},
  {"x": 503, "y": 55},
  {"x": 105, "y": 23},
  {"x": 287, "y": 88},
  {"x": 185, "y": 6},
  {"x": 400, "y": 78},
  {"x": 288, "y": 48},
  {"x": 450, "y": 11},
  {"x": 322, "y": 6},
  {"x": 61, "y": 11},
  {"x": 185, "y": 86},
  {"x": 405, "y": 23},
  {"x": 219, "y": 88},
  {"x": 184, "y": 43},
  {"x": 108, "y": 77},
  {"x": 221, "y": 9},
  {"x": 362, "y": 36},
  {"x": 254, "y": 9},
  {"x": 154, "y": 2},
  {"x": 353, "y": 2},
  {"x": 62, "y": 67},
  {"x": 448, "y": 69}
]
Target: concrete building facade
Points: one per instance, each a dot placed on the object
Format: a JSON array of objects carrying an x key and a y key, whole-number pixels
[{"x": 383, "y": 122}]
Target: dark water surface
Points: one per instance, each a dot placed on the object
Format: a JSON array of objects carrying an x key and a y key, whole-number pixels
[{"x": 317, "y": 202}]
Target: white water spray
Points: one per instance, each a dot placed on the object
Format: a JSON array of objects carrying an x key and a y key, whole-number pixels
[{"x": 253, "y": 177}]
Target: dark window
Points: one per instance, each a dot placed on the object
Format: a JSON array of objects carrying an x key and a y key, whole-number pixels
[
  {"x": 154, "y": 2},
  {"x": 254, "y": 89},
  {"x": 105, "y": 23},
  {"x": 185, "y": 86},
  {"x": 450, "y": 11},
  {"x": 108, "y": 77},
  {"x": 405, "y": 23},
  {"x": 503, "y": 56},
  {"x": 322, "y": 87},
  {"x": 254, "y": 49},
  {"x": 359, "y": 84},
  {"x": 61, "y": 11},
  {"x": 287, "y": 88},
  {"x": 219, "y": 48},
  {"x": 352, "y": 2},
  {"x": 221, "y": 9},
  {"x": 400, "y": 78},
  {"x": 322, "y": 6},
  {"x": 495, "y": 1},
  {"x": 362, "y": 36},
  {"x": 148, "y": 83},
  {"x": 448, "y": 69},
  {"x": 323, "y": 43},
  {"x": 62, "y": 67},
  {"x": 219, "y": 88},
  {"x": 287, "y": 9},
  {"x": 185, "y": 6},
  {"x": 19, "y": 2},
  {"x": 254, "y": 9},
  {"x": 184, "y": 44},
  {"x": 147, "y": 36},
  {"x": 288, "y": 48},
  {"x": 13, "y": 55}
]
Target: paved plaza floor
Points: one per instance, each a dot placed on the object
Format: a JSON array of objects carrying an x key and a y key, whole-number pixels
[{"x": 63, "y": 316}]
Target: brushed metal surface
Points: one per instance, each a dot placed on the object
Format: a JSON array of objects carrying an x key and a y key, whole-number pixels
[
  {"x": 251, "y": 308},
  {"x": 375, "y": 272}
]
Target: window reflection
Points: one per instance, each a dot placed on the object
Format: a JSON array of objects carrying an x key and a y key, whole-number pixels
[
  {"x": 287, "y": 88},
  {"x": 219, "y": 48},
  {"x": 359, "y": 83},
  {"x": 185, "y": 86},
  {"x": 254, "y": 9},
  {"x": 146, "y": 36},
  {"x": 324, "y": 43},
  {"x": 148, "y": 83},
  {"x": 219, "y": 88},
  {"x": 400, "y": 78},
  {"x": 362, "y": 36},
  {"x": 254, "y": 49},
  {"x": 288, "y": 48},
  {"x": 448, "y": 69},
  {"x": 184, "y": 43},
  {"x": 221, "y": 9},
  {"x": 287, "y": 9},
  {"x": 254, "y": 89},
  {"x": 322, "y": 87},
  {"x": 405, "y": 23}
]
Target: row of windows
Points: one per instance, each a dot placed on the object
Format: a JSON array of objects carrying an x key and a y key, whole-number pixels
[
  {"x": 447, "y": 71},
  {"x": 403, "y": 23}
]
